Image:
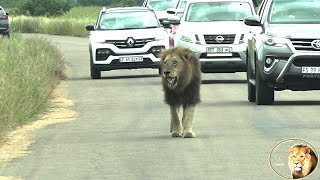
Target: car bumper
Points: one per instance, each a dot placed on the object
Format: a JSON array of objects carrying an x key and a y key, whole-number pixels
[
  {"x": 286, "y": 73},
  {"x": 219, "y": 62}
]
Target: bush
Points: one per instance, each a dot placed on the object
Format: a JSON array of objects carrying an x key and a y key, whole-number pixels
[
  {"x": 29, "y": 70},
  {"x": 44, "y": 7}
]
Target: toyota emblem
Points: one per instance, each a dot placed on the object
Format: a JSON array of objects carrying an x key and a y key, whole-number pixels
[
  {"x": 315, "y": 44},
  {"x": 219, "y": 39},
  {"x": 130, "y": 42}
]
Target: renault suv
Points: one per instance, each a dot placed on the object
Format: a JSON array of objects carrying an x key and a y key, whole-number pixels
[
  {"x": 285, "y": 55},
  {"x": 215, "y": 31},
  {"x": 126, "y": 38},
  {"x": 4, "y": 22}
]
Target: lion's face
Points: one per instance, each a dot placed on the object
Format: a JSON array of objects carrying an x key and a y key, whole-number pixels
[
  {"x": 176, "y": 72},
  {"x": 299, "y": 158},
  {"x": 171, "y": 70}
]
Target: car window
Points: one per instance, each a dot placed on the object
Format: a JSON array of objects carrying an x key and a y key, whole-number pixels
[
  {"x": 162, "y": 5},
  {"x": 128, "y": 20},
  {"x": 294, "y": 11},
  {"x": 218, "y": 11}
]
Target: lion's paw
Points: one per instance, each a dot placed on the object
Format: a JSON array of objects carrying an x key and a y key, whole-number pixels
[
  {"x": 189, "y": 134},
  {"x": 175, "y": 134}
]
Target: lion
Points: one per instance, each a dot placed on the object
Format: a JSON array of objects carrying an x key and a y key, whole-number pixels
[
  {"x": 181, "y": 80},
  {"x": 302, "y": 161}
]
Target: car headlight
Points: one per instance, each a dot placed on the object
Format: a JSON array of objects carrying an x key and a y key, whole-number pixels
[
  {"x": 188, "y": 37},
  {"x": 275, "y": 41}
]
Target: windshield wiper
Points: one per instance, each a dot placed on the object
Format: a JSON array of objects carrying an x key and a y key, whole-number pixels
[{"x": 150, "y": 27}]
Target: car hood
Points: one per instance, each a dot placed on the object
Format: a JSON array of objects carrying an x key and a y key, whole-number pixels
[
  {"x": 101, "y": 36},
  {"x": 293, "y": 30},
  {"x": 217, "y": 27}
]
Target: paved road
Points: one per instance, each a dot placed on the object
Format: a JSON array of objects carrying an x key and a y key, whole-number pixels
[{"x": 122, "y": 131}]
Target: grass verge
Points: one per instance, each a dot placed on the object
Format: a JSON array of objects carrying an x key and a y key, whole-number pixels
[
  {"x": 29, "y": 71},
  {"x": 72, "y": 23}
]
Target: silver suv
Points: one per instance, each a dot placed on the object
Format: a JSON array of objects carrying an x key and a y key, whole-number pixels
[
  {"x": 4, "y": 22},
  {"x": 215, "y": 31},
  {"x": 126, "y": 38},
  {"x": 286, "y": 54}
]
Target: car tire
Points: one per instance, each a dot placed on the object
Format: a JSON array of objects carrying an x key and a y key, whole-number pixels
[
  {"x": 264, "y": 94},
  {"x": 95, "y": 73}
]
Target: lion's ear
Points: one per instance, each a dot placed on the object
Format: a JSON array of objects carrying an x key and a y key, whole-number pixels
[
  {"x": 308, "y": 150},
  {"x": 186, "y": 53}
]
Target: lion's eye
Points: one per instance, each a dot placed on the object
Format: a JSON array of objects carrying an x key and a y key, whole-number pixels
[
  {"x": 294, "y": 156},
  {"x": 164, "y": 62},
  {"x": 175, "y": 63},
  {"x": 301, "y": 156}
]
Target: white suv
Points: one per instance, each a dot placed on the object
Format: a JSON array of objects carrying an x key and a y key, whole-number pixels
[
  {"x": 215, "y": 31},
  {"x": 126, "y": 38}
]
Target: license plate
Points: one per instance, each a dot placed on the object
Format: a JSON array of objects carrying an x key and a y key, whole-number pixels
[
  {"x": 131, "y": 59},
  {"x": 217, "y": 50},
  {"x": 311, "y": 70}
]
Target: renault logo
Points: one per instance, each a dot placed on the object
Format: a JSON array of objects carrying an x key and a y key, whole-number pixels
[
  {"x": 130, "y": 42},
  {"x": 219, "y": 39},
  {"x": 315, "y": 44}
]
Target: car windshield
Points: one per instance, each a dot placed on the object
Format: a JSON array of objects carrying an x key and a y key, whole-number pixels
[
  {"x": 295, "y": 12},
  {"x": 218, "y": 11},
  {"x": 128, "y": 20},
  {"x": 162, "y": 5}
]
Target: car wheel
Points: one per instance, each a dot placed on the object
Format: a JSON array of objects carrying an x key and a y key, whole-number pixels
[
  {"x": 95, "y": 74},
  {"x": 264, "y": 94},
  {"x": 251, "y": 87}
]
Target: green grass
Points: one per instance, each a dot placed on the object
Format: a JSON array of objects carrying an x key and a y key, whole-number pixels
[
  {"x": 72, "y": 23},
  {"x": 29, "y": 70}
]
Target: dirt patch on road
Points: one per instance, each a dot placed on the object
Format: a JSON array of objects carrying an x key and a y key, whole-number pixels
[{"x": 18, "y": 141}]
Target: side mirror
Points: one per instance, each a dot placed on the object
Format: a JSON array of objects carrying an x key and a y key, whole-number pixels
[
  {"x": 7, "y": 14},
  {"x": 252, "y": 21},
  {"x": 170, "y": 21},
  {"x": 90, "y": 27},
  {"x": 171, "y": 11}
]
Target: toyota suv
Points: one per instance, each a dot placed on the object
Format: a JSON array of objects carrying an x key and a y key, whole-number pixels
[
  {"x": 286, "y": 53},
  {"x": 126, "y": 38},
  {"x": 4, "y": 22},
  {"x": 215, "y": 31}
]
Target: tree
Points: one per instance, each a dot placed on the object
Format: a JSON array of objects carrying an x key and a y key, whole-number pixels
[{"x": 44, "y": 7}]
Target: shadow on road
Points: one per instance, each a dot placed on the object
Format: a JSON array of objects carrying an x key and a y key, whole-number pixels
[
  {"x": 296, "y": 103},
  {"x": 225, "y": 103},
  {"x": 223, "y": 81},
  {"x": 113, "y": 77}
]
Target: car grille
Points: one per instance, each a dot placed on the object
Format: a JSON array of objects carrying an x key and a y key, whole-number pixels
[
  {"x": 227, "y": 39},
  {"x": 138, "y": 43},
  {"x": 303, "y": 44}
]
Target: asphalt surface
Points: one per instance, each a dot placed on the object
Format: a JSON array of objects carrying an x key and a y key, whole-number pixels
[{"x": 122, "y": 129}]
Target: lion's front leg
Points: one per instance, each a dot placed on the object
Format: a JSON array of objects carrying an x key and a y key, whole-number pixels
[
  {"x": 175, "y": 126},
  {"x": 188, "y": 111}
]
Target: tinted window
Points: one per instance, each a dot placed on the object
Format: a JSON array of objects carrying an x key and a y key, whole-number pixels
[
  {"x": 161, "y": 5},
  {"x": 128, "y": 20},
  {"x": 295, "y": 11},
  {"x": 218, "y": 11}
]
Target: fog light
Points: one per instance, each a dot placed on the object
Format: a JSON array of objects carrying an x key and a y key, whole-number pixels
[
  {"x": 269, "y": 61},
  {"x": 156, "y": 51}
]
